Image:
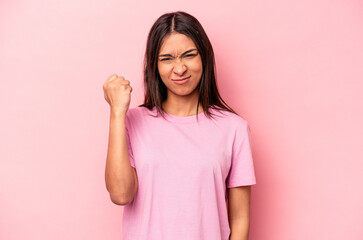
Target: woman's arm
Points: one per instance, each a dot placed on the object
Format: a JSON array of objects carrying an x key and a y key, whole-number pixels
[
  {"x": 238, "y": 212},
  {"x": 120, "y": 176}
]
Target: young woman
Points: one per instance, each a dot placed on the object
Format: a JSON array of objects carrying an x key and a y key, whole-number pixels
[{"x": 180, "y": 163}]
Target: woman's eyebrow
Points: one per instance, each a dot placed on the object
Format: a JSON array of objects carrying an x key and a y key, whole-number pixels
[{"x": 169, "y": 55}]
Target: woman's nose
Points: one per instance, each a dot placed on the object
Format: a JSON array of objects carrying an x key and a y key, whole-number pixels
[{"x": 179, "y": 67}]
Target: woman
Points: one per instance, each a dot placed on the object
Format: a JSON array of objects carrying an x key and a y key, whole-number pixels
[{"x": 180, "y": 163}]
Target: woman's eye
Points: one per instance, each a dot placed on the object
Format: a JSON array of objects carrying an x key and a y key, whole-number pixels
[
  {"x": 169, "y": 59},
  {"x": 191, "y": 55}
]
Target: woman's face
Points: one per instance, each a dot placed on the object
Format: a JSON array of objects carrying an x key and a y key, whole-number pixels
[{"x": 178, "y": 59}]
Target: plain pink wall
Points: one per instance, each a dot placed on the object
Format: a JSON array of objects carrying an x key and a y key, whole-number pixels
[{"x": 293, "y": 69}]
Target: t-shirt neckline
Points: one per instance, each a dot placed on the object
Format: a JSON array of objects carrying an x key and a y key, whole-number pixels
[{"x": 185, "y": 119}]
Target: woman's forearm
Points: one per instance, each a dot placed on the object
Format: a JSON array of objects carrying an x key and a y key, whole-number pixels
[
  {"x": 239, "y": 229},
  {"x": 119, "y": 175}
]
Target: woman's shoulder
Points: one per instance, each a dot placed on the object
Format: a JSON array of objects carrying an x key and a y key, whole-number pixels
[
  {"x": 133, "y": 111},
  {"x": 228, "y": 117},
  {"x": 139, "y": 111}
]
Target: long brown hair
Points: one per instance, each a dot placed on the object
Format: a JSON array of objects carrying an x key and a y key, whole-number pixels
[{"x": 155, "y": 89}]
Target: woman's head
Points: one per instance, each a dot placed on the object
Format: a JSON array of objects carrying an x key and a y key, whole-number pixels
[
  {"x": 168, "y": 58},
  {"x": 178, "y": 59}
]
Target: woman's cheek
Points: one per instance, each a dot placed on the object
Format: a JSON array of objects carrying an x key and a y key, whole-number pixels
[
  {"x": 162, "y": 71},
  {"x": 197, "y": 65}
]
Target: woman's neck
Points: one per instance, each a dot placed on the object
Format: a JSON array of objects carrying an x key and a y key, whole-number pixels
[{"x": 181, "y": 106}]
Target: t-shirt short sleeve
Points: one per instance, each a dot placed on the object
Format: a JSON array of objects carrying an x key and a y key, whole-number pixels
[
  {"x": 129, "y": 148},
  {"x": 242, "y": 168}
]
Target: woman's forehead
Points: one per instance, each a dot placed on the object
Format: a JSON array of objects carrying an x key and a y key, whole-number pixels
[{"x": 176, "y": 43}]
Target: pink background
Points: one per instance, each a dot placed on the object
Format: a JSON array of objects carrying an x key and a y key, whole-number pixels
[{"x": 293, "y": 69}]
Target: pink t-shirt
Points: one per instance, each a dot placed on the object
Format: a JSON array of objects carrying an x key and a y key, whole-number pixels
[{"x": 184, "y": 168}]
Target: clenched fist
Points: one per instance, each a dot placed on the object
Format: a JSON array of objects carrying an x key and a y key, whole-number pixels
[{"x": 117, "y": 92}]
